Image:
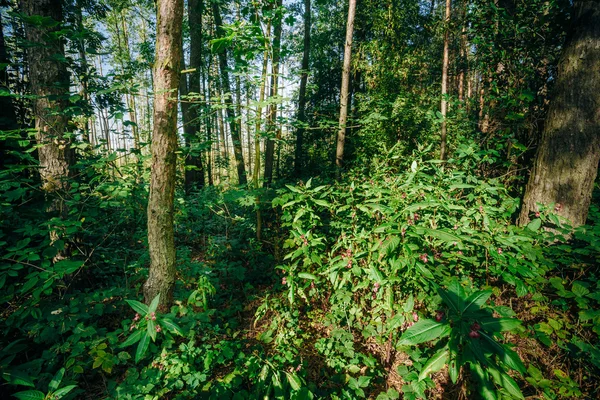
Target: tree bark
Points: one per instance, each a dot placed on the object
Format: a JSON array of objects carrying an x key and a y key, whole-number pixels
[
  {"x": 567, "y": 159},
  {"x": 194, "y": 173},
  {"x": 341, "y": 136},
  {"x": 272, "y": 112},
  {"x": 8, "y": 119},
  {"x": 161, "y": 240},
  {"x": 49, "y": 81},
  {"x": 302, "y": 93},
  {"x": 234, "y": 125},
  {"x": 444, "y": 103}
]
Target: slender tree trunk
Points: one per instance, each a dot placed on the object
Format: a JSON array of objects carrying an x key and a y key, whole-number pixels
[
  {"x": 8, "y": 118},
  {"x": 161, "y": 238},
  {"x": 272, "y": 112},
  {"x": 341, "y": 137},
  {"x": 444, "y": 104},
  {"x": 194, "y": 173},
  {"x": 302, "y": 93},
  {"x": 49, "y": 82},
  {"x": 567, "y": 159},
  {"x": 233, "y": 122}
]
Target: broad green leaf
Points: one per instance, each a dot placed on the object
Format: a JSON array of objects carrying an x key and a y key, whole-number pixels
[
  {"x": 509, "y": 357},
  {"x": 64, "y": 391},
  {"x": 439, "y": 234},
  {"x": 535, "y": 225},
  {"x": 424, "y": 331},
  {"x": 133, "y": 338},
  {"x": 30, "y": 395},
  {"x": 30, "y": 284},
  {"x": 306, "y": 275},
  {"x": 140, "y": 308},
  {"x": 154, "y": 304},
  {"x": 142, "y": 347},
  {"x": 56, "y": 380},
  {"x": 18, "y": 378},
  {"x": 151, "y": 329},
  {"x": 171, "y": 326},
  {"x": 476, "y": 300},
  {"x": 434, "y": 364},
  {"x": 499, "y": 324},
  {"x": 486, "y": 389},
  {"x": 294, "y": 380}
]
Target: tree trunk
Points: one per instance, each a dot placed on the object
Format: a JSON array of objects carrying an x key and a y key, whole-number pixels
[
  {"x": 226, "y": 87},
  {"x": 272, "y": 113},
  {"x": 341, "y": 137},
  {"x": 302, "y": 93},
  {"x": 49, "y": 81},
  {"x": 8, "y": 119},
  {"x": 567, "y": 159},
  {"x": 161, "y": 240},
  {"x": 444, "y": 104},
  {"x": 194, "y": 173}
]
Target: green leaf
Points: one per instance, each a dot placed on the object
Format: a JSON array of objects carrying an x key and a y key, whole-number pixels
[
  {"x": 499, "y": 324},
  {"x": 142, "y": 347},
  {"x": 443, "y": 235},
  {"x": 294, "y": 380},
  {"x": 434, "y": 364},
  {"x": 30, "y": 284},
  {"x": 140, "y": 308},
  {"x": 154, "y": 304},
  {"x": 64, "y": 391},
  {"x": 55, "y": 382},
  {"x": 171, "y": 326},
  {"x": 424, "y": 331},
  {"x": 151, "y": 329},
  {"x": 509, "y": 357},
  {"x": 30, "y": 395},
  {"x": 511, "y": 386},
  {"x": 133, "y": 338},
  {"x": 535, "y": 225},
  {"x": 476, "y": 300},
  {"x": 306, "y": 275}
]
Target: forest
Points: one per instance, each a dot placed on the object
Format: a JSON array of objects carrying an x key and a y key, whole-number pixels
[{"x": 299, "y": 199}]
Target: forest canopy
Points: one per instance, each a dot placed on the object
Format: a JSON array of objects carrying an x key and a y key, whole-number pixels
[{"x": 296, "y": 199}]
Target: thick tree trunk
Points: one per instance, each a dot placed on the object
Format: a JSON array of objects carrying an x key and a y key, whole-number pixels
[
  {"x": 302, "y": 93},
  {"x": 444, "y": 103},
  {"x": 49, "y": 82},
  {"x": 566, "y": 162},
  {"x": 272, "y": 112},
  {"x": 226, "y": 87},
  {"x": 344, "y": 91},
  {"x": 161, "y": 240}
]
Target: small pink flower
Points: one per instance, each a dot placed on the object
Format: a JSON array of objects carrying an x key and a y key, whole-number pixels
[
  {"x": 415, "y": 316},
  {"x": 375, "y": 287},
  {"x": 499, "y": 250},
  {"x": 423, "y": 257},
  {"x": 460, "y": 253},
  {"x": 283, "y": 281},
  {"x": 558, "y": 207},
  {"x": 455, "y": 227},
  {"x": 299, "y": 367},
  {"x": 153, "y": 316},
  {"x": 158, "y": 328},
  {"x": 137, "y": 317},
  {"x": 416, "y": 217},
  {"x": 132, "y": 327},
  {"x": 537, "y": 214}
]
